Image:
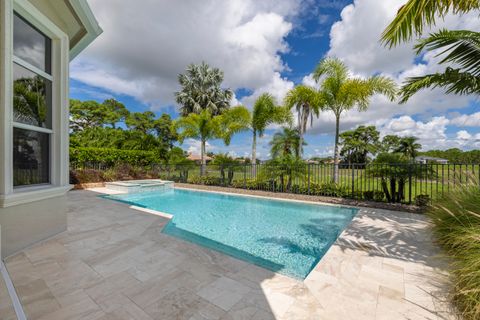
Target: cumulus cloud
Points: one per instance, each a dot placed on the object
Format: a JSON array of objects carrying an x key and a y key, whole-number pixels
[
  {"x": 467, "y": 120},
  {"x": 145, "y": 47},
  {"x": 431, "y": 133},
  {"x": 193, "y": 146},
  {"x": 463, "y": 135},
  {"x": 277, "y": 87},
  {"x": 466, "y": 140},
  {"x": 355, "y": 39}
]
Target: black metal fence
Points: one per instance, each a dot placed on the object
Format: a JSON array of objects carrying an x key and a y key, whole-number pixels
[{"x": 396, "y": 183}]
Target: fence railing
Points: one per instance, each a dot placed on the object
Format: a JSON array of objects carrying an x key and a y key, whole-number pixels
[{"x": 398, "y": 183}]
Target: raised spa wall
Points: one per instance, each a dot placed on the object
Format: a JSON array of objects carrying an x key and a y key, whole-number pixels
[{"x": 139, "y": 186}]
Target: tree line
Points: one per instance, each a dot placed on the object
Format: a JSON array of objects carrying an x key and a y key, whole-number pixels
[{"x": 111, "y": 125}]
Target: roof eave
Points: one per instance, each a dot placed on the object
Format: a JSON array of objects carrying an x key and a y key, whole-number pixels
[{"x": 92, "y": 28}]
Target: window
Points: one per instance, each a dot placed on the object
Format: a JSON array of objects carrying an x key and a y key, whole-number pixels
[
  {"x": 31, "y": 151},
  {"x": 32, "y": 98},
  {"x": 31, "y": 45},
  {"x": 32, "y": 104}
]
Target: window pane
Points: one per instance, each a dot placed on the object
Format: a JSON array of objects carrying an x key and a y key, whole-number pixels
[
  {"x": 32, "y": 98},
  {"x": 31, "y": 45},
  {"x": 30, "y": 157}
]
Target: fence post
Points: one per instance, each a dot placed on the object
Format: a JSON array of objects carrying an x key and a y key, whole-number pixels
[
  {"x": 244, "y": 175},
  {"x": 353, "y": 180},
  {"x": 308, "y": 178},
  {"x": 410, "y": 183}
]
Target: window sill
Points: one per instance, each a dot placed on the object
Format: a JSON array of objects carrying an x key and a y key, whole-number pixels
[{"x": 32, "y": 194}]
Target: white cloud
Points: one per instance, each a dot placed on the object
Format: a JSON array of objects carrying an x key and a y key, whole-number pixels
[
  {"x": 467, "y": 120},
  {"x": 463, "y": 135},
  {"x": 355, "y": 39},
  {"x": 144, "y": 47},
  {"x": 193, "y": 146},
  {"x": 432, "y": 134},
  {"x": 466, "y": 140},
  {"x": 277, "y": 87}
]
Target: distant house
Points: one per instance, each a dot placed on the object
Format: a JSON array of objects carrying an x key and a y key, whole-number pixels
[
  {"x": 197, "y": 158},
  {"x": 426, "y": 159}
]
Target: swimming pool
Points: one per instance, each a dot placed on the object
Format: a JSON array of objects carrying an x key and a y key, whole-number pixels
[{"x": 284, "y": 236}]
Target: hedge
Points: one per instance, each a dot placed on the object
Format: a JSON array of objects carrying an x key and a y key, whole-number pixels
[{"x": 110, "y": 157}]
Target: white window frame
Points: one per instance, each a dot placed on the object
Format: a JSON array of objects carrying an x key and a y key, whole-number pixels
[
  {"x": 37, "y": 71},
  {"x": 59, "y": 168}
]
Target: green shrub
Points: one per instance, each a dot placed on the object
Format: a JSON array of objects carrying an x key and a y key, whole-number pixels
[
  {"x": 110, "y": 175},
  {"x": 86, "y": 176},
  {"x": 357, "y": 195},
  {"x": 378, "y": 196},
  {"x": 206, "y": 180},
  {"x": 422, "y": 200},
  {"x": 456, "y": 227},
  {"x": 118, "y": 172},
  {"x": 368, "y": 195},
  {"x": 238, "y": 184},
  {"x": 374, "y": 195}
]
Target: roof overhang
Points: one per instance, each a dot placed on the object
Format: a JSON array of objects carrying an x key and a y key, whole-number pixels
[
  {"x": 75, "y": 18},
  {"x": 88, "y": 29}
]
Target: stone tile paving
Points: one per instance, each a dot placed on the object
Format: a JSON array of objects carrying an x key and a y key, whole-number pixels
[
  {"x": 114, "y": 263},
  {"x": 7, "y": 312}
]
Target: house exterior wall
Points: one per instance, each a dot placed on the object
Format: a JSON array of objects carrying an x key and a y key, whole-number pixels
[
  {"x": 35, "y": 212},
  {"x": 26, "y": 224}
]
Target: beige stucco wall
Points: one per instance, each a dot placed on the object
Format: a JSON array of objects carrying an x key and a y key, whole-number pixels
[{"x": 25, "y": 224}]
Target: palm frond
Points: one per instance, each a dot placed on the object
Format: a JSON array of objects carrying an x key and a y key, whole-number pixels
[
  {"x": 332, "y": 68},
  {"x": 383, "y": 85},
  {"x": 415, "y": 15},
  {"x": 232, "y": 121},
  {"x": 460, "y": 46},
  {"x": 453, "y": 80}
]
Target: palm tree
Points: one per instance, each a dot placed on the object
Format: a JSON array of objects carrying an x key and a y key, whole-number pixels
[
  {"x": 201, "y": 90},
  {"x": 307, "y": 102},
  {"x": 462, "y": 49},
  {"x": 265, "y": 112},
  {"x": 409, "y": 147},
  {"x": 286, "y": 143},
  {"x": 415, "y": 15},
  {"x": 339, "y": 92},
  {"x": 205, "y": 127}
]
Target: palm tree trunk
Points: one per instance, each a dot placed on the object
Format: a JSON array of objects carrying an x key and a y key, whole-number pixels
[
  {"x": 254, "y": 154},
  {"x": 300, "y": 143},
  {"x": 302, "y": 123},
  {"x": 336, "y": 151},
  {"x": 203, "y": 162}
]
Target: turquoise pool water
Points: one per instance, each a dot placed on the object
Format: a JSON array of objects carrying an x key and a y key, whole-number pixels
[{"x": 283, "y": 236}]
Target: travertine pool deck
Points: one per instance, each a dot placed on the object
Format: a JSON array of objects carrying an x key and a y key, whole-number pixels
[
  {"x": 7, "y": 312},
  {"x": 114, "y": 263}
]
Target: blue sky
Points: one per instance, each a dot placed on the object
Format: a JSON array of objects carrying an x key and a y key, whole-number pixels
[{"x": 267, "y": 47}]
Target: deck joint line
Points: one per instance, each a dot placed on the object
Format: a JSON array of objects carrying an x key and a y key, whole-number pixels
[{"x": 17, "y": 306}]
